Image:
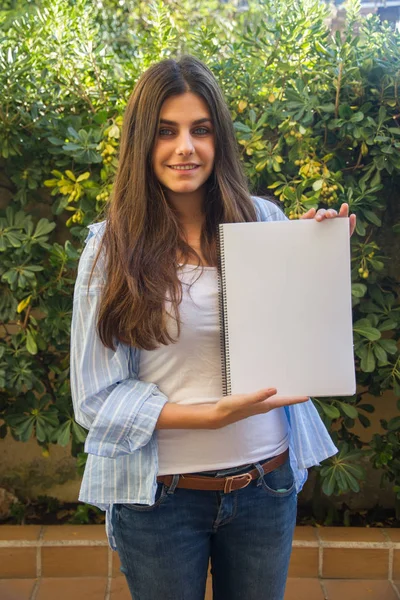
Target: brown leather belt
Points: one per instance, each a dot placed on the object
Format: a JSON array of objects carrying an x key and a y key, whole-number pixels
[{"x": 225, "y": 484}]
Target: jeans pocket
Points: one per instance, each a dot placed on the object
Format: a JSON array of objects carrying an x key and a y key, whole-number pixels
[
  {"x": 161, "y": 496},
  {"x": 279, "y": 482}
]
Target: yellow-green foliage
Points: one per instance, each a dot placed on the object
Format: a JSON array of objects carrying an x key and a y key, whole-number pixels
[{"x": 317, "y": 122}]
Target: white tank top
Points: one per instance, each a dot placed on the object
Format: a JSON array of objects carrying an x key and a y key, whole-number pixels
[{"x": 189, "y": 372}]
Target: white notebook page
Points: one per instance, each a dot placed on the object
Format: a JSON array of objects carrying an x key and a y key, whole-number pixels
[{"x": 289, "y": 314}]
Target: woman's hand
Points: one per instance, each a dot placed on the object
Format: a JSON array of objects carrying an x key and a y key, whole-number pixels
[
  {"x": 231, "y": 409},
  {"x": 330, "y": 213},
  {"x": 227, "y": 410}
]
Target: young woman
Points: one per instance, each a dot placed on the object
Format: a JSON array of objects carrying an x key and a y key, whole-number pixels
[{"x": 183, "y": 473}]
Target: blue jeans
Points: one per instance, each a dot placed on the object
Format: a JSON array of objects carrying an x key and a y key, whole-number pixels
[{"x": 165, "y": 548}]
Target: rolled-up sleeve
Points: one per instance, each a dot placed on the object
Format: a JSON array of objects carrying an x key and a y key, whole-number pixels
[{"x": 119, "y": 411}]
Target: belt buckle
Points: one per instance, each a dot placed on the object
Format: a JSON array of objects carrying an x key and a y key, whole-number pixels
[{"x": 229, "y": 482}]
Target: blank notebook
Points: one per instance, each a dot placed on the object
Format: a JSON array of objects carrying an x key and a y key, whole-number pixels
[{"x": 285, "y": 307}]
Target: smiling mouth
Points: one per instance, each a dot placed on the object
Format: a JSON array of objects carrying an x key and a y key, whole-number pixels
[{"x": 191, "y": 168}]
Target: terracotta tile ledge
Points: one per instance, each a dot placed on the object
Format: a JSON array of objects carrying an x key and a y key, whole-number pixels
[
  {"x": 94, "y": 535},
  {"x": 34, "y": 551}
]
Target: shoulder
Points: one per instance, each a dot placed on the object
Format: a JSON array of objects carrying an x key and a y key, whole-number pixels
[
  {"x": 268, "y": 210},
  {"x": 93, "y": 240},
  {"x": 96, "y": 231}
]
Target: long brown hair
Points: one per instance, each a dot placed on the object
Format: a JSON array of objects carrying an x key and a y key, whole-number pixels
[{"x": 143, "y": 236}]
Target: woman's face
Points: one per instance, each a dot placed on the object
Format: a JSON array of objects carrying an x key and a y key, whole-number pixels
[{"x": 185, "y": 137}]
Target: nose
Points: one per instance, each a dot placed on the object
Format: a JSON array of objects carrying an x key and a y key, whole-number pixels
[{"x": 184, "y": 144}]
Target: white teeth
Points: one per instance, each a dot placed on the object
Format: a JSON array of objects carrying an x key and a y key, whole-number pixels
[{"x": 184, "y": 168}]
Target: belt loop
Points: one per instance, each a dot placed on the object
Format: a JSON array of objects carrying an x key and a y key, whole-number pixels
[
  {"x": 261, "y": 472},
  {"x": 174, "y": 483}
]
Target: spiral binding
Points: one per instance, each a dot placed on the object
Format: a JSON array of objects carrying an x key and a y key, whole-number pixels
[{"x": 223, "y": 318}]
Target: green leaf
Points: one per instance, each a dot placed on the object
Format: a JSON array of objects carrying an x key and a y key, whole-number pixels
[
  {"x": 368, "y": 363},
  {"x": 41, "y": 430},
  {"x": 360, "y": 228},
  {"x": 358, "y": 290},
  {"x": 380, "y": 354},
  {"x": 33, "y": 268},
  {"x": 73, "y": 133},
  {"x": 31, "y": 345},
  {"x": 241, "y": 127},
  {"x": 342, "y": 481},
  {"x": 367, "y": 407},
  {"x": 320, "y": 48},
  {"x": 345, "y": 111},
  {"x": 64, "y": 433},
  {"x": 349, "y": 410},
  {"x": 79, "y": 432},
  {"x": 329, "y": 482},
  {"x": 44, "y": 227},
  {"x": 371, "y": 333},
  {"x": 357, "y": 117},
  {"x": 394, "y": 424},
  {"x": 372, "y": 218},
  {"x": 50, "y": 416},
  {"x": 376, "y": 179},
  {"x": 387, "y": 325},
  {"x": 329, "y": 108},
  {"x": 317, "y": 185},
  {"x": 390, "y": 346},
  {"x": 353, "y": 483},
  {"x": 376, "y": 264},
  {"x": 381, "y": 115},
  {"x": 70, "y": 147},
  {"x": 71, "y": 250},
  {"x": 55, "y": 141},
  {"x": 331, "y": 411},
  {"x": 23, "y": 430},
  {"x": 365, "y": 422}
]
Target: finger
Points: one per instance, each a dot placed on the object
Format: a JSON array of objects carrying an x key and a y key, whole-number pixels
[
  {"x": 331, "y": 213},
  {"x": 259, "y": 396},
  {"x": 279, "y": 402},
  {"x": 353, "y": 221},
  {"x": 326, "y": 214},
  {"x": 344, "y": 210},
  {"x": 309, "y": 214}
]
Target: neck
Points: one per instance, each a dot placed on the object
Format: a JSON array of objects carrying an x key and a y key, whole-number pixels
[{"x": 188, "y": 207}]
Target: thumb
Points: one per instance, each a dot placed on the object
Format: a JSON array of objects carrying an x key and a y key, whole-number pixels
[{"x": 263, "y": 394}]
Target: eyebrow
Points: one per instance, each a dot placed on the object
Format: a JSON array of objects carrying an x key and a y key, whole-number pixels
[{"x": 197, "y": 122}]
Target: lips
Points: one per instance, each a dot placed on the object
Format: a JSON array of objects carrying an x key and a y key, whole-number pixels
[{"x": 192, "y": 170}]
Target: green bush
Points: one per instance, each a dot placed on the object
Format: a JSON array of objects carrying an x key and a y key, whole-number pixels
[{"x": 317, "y": 121}]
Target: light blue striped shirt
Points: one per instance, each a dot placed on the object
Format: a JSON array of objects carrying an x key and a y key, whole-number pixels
[{"x": 120, "y": 411}]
